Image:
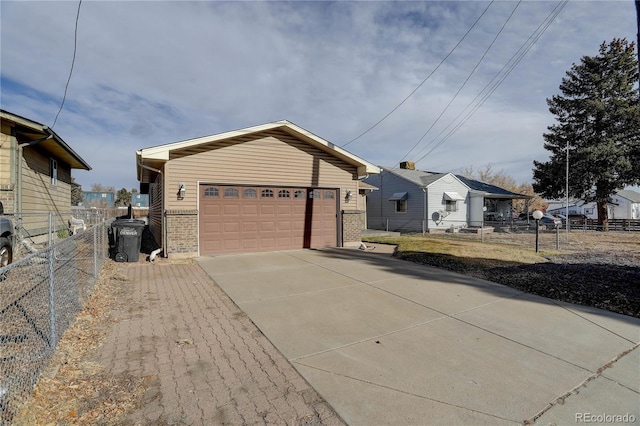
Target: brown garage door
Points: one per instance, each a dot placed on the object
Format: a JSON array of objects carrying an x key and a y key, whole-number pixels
[{"x": 237, "y": 219}]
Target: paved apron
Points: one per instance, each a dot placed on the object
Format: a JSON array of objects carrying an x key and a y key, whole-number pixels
[{"x": 389, "y": 342}]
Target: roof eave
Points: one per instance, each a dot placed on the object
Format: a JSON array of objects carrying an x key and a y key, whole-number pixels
[
  {"x": 74, "y": 160},
  {"x": 161, "y": 153}
]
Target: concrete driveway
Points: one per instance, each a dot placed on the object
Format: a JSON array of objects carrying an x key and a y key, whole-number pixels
[{"x": 389, "y": 342}]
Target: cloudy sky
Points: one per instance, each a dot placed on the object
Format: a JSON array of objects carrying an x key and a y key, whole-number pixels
[{"x": 149, "y": 72}]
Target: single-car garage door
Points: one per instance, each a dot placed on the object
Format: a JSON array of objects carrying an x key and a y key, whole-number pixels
[{"x": 236, "y": 219}]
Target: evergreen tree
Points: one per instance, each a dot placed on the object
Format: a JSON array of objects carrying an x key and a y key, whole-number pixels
[
  {"x": 76, "y": 193},
  {"x": 598, "y": 121},
  {"x": 123, "y": 197}
]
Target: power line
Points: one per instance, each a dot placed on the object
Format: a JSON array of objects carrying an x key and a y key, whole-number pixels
[
  {"x": 466, "y": 80},
  {"x": 423, "y": 81},
  {"x": 73, "y": 61},
  {"x": 510, "y": 66}
]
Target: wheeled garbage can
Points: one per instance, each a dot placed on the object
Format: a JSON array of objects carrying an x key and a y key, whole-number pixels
[{"x": 125, "y": 238}]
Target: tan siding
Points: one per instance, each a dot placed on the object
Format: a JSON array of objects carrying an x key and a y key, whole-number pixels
[
  {"x": 39, "y": 196},
  {"x": 5, "y": 156},
  {"x": 268, "y": 160},
  {"x": 7, "y": 172}
]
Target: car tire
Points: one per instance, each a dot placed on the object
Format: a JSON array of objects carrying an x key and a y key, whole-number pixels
[{"x": 6, "y": 251}]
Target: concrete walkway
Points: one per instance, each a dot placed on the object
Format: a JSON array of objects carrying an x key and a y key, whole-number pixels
[
  {"x": 204, "y": 361},
  {"x": 389, "y": 342}
]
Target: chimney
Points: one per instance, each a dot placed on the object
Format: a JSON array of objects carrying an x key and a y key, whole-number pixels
[{"x": 408, "y": 165}]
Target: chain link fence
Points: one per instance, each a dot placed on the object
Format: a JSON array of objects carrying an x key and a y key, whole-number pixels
[
  {"x": 35, "y": 230},
  {"x": 40, "y": 295}
]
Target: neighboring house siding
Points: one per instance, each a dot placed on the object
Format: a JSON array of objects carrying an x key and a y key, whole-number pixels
[
  {"x": 40, "y": 196},
  {"x": 7, "y": 178},
  {"x": 382, "y": 212},
  {"x": 435, "y": 203},
  {"x": 622, "y": 208},
  {"x": 267, "y": 160}
]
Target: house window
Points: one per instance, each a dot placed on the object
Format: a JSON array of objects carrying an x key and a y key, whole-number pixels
[
  {"x": 400, "y": 201},
  {"x": 53, "y": 169},
  {"x": 451, "y": 205},
  {"x": 211, "y": 191}
]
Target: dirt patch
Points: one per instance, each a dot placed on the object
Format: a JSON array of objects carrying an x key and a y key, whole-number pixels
[
  {"x": 599, "y": 269},
  {"x": 74, "y": 389}
]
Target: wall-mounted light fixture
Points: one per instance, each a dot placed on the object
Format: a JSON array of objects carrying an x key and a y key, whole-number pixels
[
  {"x": 181, "y": 190},
  {"x": 348, "y": 196}
]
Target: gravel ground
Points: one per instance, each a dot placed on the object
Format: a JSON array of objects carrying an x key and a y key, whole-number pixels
[{"x": 596, "y": 270}]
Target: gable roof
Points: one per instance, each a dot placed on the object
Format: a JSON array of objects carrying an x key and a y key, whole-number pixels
[
  {"x": 630, "y": 195},
  {"x": 155, "y": 156},
  {"x": 33, "y": 133},
  {"x": 492, "y": 190},
  {"x": 417, "y": 177},
  {"x": 424, "y": 179}
]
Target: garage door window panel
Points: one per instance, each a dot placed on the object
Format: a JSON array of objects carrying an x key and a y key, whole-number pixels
[
  {"x": 230, "y": 193},
  {"x": 266, "y": 193},
  {"x": 249, "y": 193},
  {"x": 211, "y": 191}
]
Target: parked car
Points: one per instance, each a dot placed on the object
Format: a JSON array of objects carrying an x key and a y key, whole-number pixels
[
  {"x": 577, "y": 219},
  {"x": 550, "y": 221},
  {"x": 6, "y": 239}
]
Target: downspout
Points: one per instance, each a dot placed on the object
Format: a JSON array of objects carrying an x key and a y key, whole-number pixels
[
  {"x": 164, "y": 219},
  {"x": 424, "y": 220}
]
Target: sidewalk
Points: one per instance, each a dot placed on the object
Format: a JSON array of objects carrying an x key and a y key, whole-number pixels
[{"x": 203, "y": 359}]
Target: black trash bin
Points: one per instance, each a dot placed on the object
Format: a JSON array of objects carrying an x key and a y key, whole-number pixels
[{"x": 126, "y": 238}]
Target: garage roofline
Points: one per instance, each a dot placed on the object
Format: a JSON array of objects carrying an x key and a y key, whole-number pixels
[{"x": 161, "y": 153}]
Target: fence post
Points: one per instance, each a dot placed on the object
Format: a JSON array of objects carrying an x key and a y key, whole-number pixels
[
  {"x": 50, "y": 229},
  {"x": 52, "y": 300},
  {"x": 95, "y": 251}
]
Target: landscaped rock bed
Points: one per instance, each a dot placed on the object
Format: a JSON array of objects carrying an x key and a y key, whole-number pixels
[{"x": 603, "y": 279}]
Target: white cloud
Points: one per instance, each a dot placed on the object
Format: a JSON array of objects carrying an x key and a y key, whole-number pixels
[{"x": 149, "y": 73}]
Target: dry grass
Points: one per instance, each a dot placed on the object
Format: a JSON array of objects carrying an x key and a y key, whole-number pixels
[
  {"x": 74, "y": 389},
  {"x": 501, "y": 249}
]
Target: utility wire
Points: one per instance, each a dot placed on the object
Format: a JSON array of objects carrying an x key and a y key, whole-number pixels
[
  {"x": 493, "y": 84},
  {"x": 466, "y": 80},
  {"x": 73, "y": 61},
  {"x": 423, "y": 81}
]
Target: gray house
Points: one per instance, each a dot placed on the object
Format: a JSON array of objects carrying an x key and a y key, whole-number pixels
[{"x": 409, "y": 200}]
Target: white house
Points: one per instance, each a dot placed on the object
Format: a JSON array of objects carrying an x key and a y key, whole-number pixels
[
  {"x": 409, "y": 200},
  {"x": 624, "y": 204}
]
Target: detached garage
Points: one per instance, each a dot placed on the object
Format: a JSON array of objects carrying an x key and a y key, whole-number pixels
[{"x": 264, "y": 188}]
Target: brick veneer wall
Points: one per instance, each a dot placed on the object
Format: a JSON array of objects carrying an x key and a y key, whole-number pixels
[
  {"x": 7, "y": 196},
  {"x": 353, "y": 222},
  {"x": 182, "y": 231}
]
